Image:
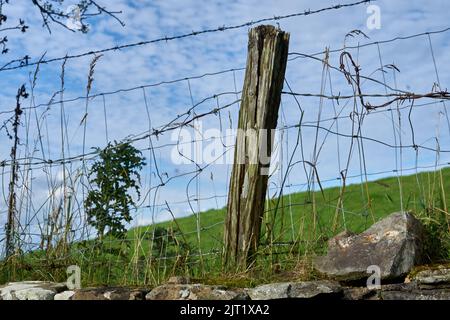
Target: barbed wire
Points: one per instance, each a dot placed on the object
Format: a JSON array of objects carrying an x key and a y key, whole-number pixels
[
  {"x": 25, "y": 161},
  {"x": 174, "y": 124},
  {"x": 24, "y": 62},
  {"x": 295, "y": 54},
  {"x": 371, "y": 43}
]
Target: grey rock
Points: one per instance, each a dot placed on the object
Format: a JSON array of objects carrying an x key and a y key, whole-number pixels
[
  {"x": 35, "y": 294},
  {"x": 110, "y": 293},
  {"x": 30, "y": 290},
  {"x": 359, "y": 293},
  {"x": 398, "y": 291},
  {"x": 438, "y": 294},
  {"x": 394, "y": 244},
  {"x": 303, "y": 290},
  {"x": 270, "y": 291},
  {"x": 412, "y": 291},
  {"x": 137, "y": 295},
  {"x": 194, "y": 292},
  {"x": 313, "y": 289},
  {"x": 65, "y": 295},
  {"x": 433, "y": 276}
]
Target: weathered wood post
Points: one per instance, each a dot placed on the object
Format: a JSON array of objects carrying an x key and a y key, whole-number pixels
[{"x": 258, "y": 115}]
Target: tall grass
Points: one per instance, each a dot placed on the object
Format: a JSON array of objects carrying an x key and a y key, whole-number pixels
[{"x": 148, "y": 255}]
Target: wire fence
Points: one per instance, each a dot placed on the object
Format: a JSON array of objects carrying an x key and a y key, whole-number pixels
[{"x": 332, "y": 148}]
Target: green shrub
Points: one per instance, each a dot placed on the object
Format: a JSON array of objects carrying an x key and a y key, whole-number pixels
[{"x": 113, "y": 177}]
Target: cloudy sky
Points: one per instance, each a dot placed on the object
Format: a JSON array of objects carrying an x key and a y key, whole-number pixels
[{"x": 124, "y": 114}]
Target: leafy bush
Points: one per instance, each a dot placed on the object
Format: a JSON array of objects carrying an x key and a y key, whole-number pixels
[{"x": 113, "y": 177}]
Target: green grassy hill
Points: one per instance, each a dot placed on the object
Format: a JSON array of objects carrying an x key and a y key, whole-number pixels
[
  {"x": 297, "y": 230},
  {"x": 300, "y": 214}
]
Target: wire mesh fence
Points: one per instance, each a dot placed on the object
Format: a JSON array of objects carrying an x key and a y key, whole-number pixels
[{"x": 351, "y": 146}]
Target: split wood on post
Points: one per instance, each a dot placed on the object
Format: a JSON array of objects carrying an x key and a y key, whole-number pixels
[{"x": 258, "y": 115}]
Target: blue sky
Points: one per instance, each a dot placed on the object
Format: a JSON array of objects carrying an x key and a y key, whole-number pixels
[{"x": 146, "y": 20}]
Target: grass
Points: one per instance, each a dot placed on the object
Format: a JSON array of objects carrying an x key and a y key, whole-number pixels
[{"x": 291, "y": 235}]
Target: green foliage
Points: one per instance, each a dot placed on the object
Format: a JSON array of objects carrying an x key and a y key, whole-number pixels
[
  {"x": 437, "y": 244},
  {"x": 113, "y": 177},
  {"x": 166, "y": 242}
]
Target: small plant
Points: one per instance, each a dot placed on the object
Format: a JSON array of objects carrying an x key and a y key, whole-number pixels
[
  {"x": 165, "y": 241},
  {"x": 113, "y": 177},
  {"x": 437, "y": 244}
]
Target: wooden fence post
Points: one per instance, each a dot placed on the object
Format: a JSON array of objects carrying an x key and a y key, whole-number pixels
[{"x": 258, "y": 115}]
